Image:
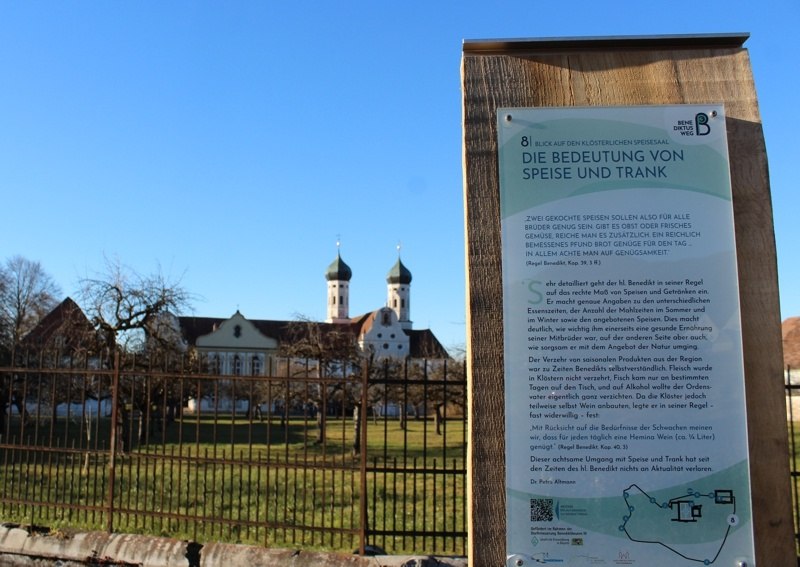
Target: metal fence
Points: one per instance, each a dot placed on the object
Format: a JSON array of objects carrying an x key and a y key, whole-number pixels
[
  {"x": 302, "y": 457},
  {"x": 792, "y": 381}
]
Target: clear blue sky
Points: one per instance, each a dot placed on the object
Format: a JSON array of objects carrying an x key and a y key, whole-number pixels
[{"x": 230, "y": 143}]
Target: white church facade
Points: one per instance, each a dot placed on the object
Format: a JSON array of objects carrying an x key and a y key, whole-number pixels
[{"x": 241, "y": 346}]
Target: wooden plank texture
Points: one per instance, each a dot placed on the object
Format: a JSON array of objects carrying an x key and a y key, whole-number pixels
[{"x": 626, "y": 77}]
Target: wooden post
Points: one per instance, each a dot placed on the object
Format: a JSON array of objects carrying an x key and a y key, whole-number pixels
[{"x": 620, "y": 72}]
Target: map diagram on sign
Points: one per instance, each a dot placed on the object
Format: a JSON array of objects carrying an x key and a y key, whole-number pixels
[{"x": 694, "y": 525}]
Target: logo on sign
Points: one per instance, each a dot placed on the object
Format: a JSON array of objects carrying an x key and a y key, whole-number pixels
[{"x": 701, "y": 126}]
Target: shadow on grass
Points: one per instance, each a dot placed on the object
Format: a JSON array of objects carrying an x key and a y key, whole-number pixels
[
  {"x": 386, "y": 441},
  {"x": 240, "y": 431}
]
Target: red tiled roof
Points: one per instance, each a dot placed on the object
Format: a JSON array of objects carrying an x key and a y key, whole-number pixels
[
  {"x": 424, "y": 344},
  {"x": 67, "y": 322},
  {"x": 791, "y": 342}
]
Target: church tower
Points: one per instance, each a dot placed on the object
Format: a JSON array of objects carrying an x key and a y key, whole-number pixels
[
  {"x": 399, "y": 293},
  {"x": 338, "y": 275}
]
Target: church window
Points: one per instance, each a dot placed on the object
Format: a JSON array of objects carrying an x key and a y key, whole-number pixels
[
  {"x": 385, "y": 346},
  {"x": 333, "y": 300},
  {"x": 341, "y": 300},
  {"x": 237, "y": 365},
  {"x": 394, "y": 302},
  {"x": 402, "y": 303},
  {"x": 237, "y": 331},
  {"x": 386, "y": 319},
  {"x": 255, "y": 365}
]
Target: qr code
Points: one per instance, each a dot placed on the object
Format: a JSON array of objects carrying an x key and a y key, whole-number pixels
[{"x": 541, "y": 510}]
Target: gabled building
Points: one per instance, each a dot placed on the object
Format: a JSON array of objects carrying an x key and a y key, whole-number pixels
[
  {"x": 790, "y": 329},
  {"x": 66, "y": 329},
  {"x": 240, "y": 346},
  {"x": 791, "y": 344}
]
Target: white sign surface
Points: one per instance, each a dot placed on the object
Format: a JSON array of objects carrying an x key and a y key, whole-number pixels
[{"x": 626, "y": 439}]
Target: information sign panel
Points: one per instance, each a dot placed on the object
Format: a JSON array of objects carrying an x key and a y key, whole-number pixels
[{"x": 626, "y": 440}]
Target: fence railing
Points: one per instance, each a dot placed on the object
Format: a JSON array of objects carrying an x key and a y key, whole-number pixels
[
  {"x": 301, "y": 457},
  {"x": 792, "y": 382}
]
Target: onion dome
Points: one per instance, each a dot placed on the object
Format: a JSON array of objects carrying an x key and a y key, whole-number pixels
[
  {"x": 338, "y": 270},
  {"x": 399, "y": 274}
]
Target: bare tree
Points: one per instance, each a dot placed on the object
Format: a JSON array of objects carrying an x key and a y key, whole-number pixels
[
  {"x": 334, "y": 353},
  {"x": 5, "y": 327},
  {"x": 387, "y": 381},
  {"x": 27, "y": 293},
  {"x": 123, "y": 305},
  {"x": 447, "y": 397}
]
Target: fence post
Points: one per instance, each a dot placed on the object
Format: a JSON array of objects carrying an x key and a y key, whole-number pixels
[
  {"x": 362, "y": 530},
  {"x": 112, "y": 453}
]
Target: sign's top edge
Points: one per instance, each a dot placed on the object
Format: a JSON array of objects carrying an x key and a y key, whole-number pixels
[{"x": 719, "y": 40}]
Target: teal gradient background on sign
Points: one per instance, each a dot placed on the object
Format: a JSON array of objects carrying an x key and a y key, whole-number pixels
[{"x": 702, "y": 170}]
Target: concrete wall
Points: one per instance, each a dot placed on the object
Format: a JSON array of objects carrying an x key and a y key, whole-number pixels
[{"x": 20, "y": 546}]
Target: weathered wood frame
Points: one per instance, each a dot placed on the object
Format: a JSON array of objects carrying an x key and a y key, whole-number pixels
[{"x": 625, "y": 72}]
